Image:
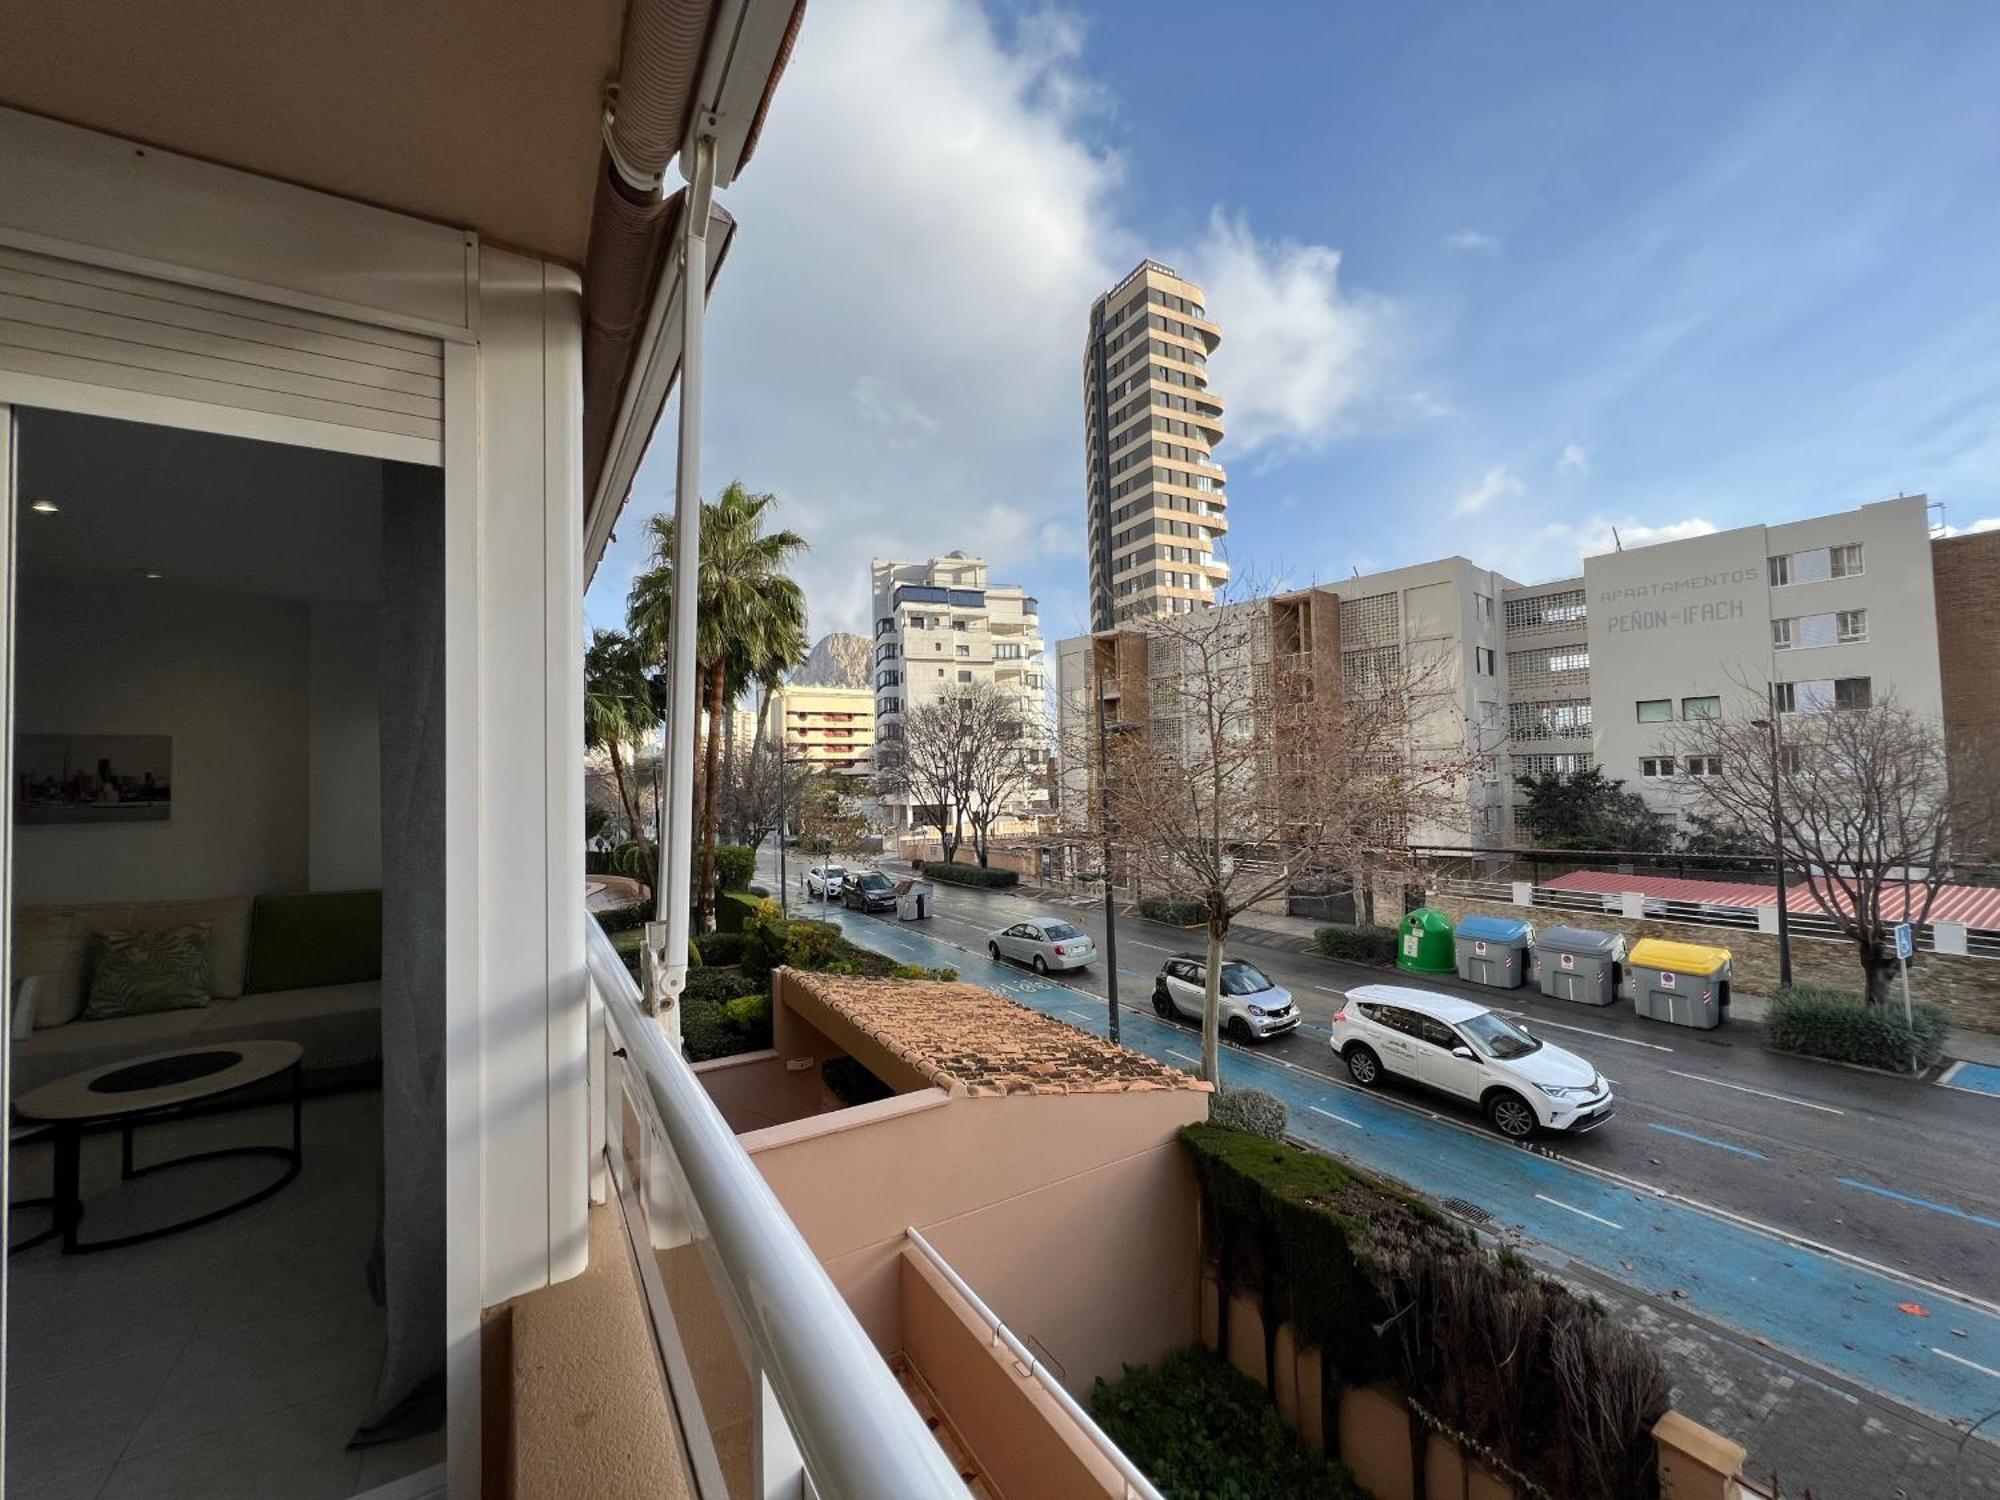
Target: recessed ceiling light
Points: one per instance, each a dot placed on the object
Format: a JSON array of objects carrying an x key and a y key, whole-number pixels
[
  {"x": 148, "y": 573},
  {"x": 45, "y": 507}
]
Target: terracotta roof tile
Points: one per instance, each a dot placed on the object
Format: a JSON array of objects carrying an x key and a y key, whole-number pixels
[{"x": 961, "y": 1035}]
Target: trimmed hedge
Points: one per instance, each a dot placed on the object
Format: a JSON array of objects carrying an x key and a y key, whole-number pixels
[
  {"x": 1197, "y": 1427},
  {"x": 625, "y": 918},
  {"x": 720, "y": 947},
  {"x": 733, "y": 909},
  {"x": 1361, "y": 945},
  {"x": 975, "y": 875},
  {"x": 1175, "y": 911},
  {"x": 734, "y": 865},
  {"x": 714, "y": 986},
  {"x": 1249, "y": 1109},
  {"x": 710, "y": 1030},
  {"x": 1835, "y": 1024},
  {"x": 1535, "y": 1381}
]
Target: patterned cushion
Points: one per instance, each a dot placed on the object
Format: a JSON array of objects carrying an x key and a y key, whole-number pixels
[{"x": 136, "y": 973}]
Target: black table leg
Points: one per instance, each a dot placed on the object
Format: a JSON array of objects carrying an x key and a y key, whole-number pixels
[{"x": 68, "y": 1189}]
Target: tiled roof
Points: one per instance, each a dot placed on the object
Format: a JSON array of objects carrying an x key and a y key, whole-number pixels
[{"x": 961, "y": 1035}]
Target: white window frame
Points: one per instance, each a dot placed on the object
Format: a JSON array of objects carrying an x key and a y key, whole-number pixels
[
  {"x": 1782, "y": 634},
  {"x": 1834, "y": 566},
  {"x": 1856, "y": 636},
  {"x": 1656, "y": 767}
]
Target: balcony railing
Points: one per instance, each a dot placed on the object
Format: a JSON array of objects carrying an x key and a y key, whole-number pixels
[{"x": 774, "y": 1386}]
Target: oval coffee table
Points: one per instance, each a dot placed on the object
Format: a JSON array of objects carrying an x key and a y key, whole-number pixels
[{"x": 147, "y": 1090}]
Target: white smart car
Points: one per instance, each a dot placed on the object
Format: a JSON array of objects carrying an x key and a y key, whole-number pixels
[
  {"x": 1520, "y": 1082},
  {"x": 1045, "y": 942},
  {"x": 826, "y": 880}
]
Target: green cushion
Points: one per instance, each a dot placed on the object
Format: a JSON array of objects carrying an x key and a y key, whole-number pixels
[
  {"x": 137, "y": 973},
  {"x": 303, "y": 942}
]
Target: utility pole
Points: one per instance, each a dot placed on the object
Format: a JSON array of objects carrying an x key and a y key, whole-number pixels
[
  {"x": 1110, "y": 902},
  {"x": 1778, "y": 838}
]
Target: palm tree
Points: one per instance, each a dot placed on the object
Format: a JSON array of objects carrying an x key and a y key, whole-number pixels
[
  {"x": 617, "y": 710},
  {"x": 750, "y": 625}
]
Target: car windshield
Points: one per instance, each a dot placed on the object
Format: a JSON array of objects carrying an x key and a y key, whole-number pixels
[
  {"x": 1497, "y": 1037},
  {"x": 874, "y": 880},
  {"x": 837, "y": 872},
  {"x": 1243, "y": 979},
  {"x": 1058, "y": 932}
]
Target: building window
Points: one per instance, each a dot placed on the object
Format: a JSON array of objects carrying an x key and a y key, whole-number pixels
[
  {"x": 1781, "y": 632},
  {"x": 1656, "y": 710},
  {"x": 1853, "y": 626},
  {"x": 965, "y": 677},
  {"x": 1656, "y": 767},
  {"x": 1482, "y": 660},
  {"x": 1482, "y": 608},
  {"x": 1701, "y": 708},
  {"x": 1851, "y": 692},
  {"x": 965, "y": 651},
  {"x": 1702, "y": 765},
  {"x": 1786, "y": 696},
  {"x": 1781, "y": 571},
  {"x": 961, "y": 624},
  {"x": 1846, "y": 560}
]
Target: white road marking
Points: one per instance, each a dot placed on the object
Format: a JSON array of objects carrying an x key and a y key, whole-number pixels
[
  {"x": 1332, "y": 1116},
  {"x": 1958, "y": 1360},
  {"x": 1184, "y": 1057},
  {"x": 1606, "y": 1035},
  {"x": 1608, "y": 1224},
  {"x": 1325, "y": 989},
  {"x": 1744, "y": 1088}
]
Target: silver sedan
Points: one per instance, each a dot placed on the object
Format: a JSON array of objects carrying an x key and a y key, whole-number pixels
[{"x": 1045, "y": 943}]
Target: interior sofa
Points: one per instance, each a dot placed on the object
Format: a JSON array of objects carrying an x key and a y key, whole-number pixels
[{"x": 302, "y": 968}]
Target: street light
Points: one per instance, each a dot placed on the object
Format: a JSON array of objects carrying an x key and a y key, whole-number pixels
[
  {"x": 1778, "y": 833},
  {"x": 784, "y": 806},
  {"x": 1110, "y": 903}
]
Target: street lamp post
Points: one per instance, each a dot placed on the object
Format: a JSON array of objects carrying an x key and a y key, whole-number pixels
[
  {"x": 784, "y": 807},
  {"x": 1778, "y": 835},
  {"x": 1110, "y": 903}
]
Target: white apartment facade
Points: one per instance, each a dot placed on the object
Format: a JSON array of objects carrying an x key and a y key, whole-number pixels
[
  {"x": 942, "y": 625},
  {"x": 823, "y": 728}
]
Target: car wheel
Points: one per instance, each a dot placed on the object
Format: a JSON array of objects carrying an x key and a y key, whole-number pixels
[
  {"x": 1511, "y": 1115},
  {"x": 1363, "y": 1066},
  {"x": 1162, "y": 1005},
  {"x": 994, "y": 949},
  {"x": 1238, "y": 1029},
  {"x": 1041, "y": 964}
]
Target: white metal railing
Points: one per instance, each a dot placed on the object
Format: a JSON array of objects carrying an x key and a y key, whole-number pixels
[
  {"x": 1136, "y": 1483},
  {"x": 855, "y": 1434}
]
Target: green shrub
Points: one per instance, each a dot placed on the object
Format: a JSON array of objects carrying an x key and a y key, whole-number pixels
[
  {"x": 626, "y": 918},
  {"x": 734, "y": 865},
  {"x": 1198, "y": 1427},
  {"x": 764, "y": 932},
  {"x": 917, "y": 971},
  {"x": 976, "y": 875},
  {"x": 1249, "y": 1109},
  {"x": 714, "y": 986},
  {"x": 1832, "y": 1023},
  {"x": 720, "y": 947},
  {"x": 1175, "y": 911},
  {"x": 734, "y": 908},
  {"x": 1389, "y": 1290},
  {"x": 1361, "y": 945},
  {"x": 812, "y": 945}
]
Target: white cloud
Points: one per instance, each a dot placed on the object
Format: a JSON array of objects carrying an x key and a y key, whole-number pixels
[
  {"x": 1986, "y": 523},
  {"x": 1497, "y": 483},
  {"x": 1575, "y": 459},
  {"x": 1473, "y": 240},
  {"x": 1297, "y": 354}
]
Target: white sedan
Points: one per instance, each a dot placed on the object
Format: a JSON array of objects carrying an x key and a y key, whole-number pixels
[
  {"x": 1046, "y": 943},
  {"x": 826, "y": 881},
  {"x": 1520, "y": 1082}
]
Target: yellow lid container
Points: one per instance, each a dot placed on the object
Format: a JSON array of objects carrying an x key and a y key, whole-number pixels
[{"x": 1679, "y": 958}]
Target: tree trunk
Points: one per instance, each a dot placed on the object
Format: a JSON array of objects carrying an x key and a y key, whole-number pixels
[
  {"x": 705, "y": 897},
  {"x": 1879, "y": 968},
  {"x": 626, "y": 797},
  {"x": 1211, "y": 1003}
]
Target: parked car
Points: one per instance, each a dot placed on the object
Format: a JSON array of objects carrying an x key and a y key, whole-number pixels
[
  {"x": 1250, "y": 1006},
  {"x": 871, "y": 890},
  {"x": 826, "y": 880},
  {"x": 1520, "y": 1082},
  {"x": 1046, "y": 943}
]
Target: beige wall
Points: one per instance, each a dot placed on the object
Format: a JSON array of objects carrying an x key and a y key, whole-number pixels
[{"x": 1008, "y": 1188}]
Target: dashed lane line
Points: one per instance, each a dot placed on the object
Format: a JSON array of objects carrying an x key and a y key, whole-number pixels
[
  {"x": 1744, "y": 1088},
  {"x": 1580, "y": 1213}
]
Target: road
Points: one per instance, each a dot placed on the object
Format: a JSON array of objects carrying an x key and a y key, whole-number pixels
[{"x": 1747, "y": 1205}]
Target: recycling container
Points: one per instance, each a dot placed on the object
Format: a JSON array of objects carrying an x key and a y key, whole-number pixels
[
  {"x": 1684, "y": 984},
  {"x": 1579, "y": 963},
  {"x": 1494, "y": 950},
  {"x": 1423, "y": 943}
]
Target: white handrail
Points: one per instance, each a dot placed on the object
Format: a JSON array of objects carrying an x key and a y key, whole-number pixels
[
  {"x": 1136, "y": 1483},
  {"x": 858, "y": 1434}
]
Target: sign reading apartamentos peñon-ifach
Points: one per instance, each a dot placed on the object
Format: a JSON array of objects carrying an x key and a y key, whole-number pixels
[{"x": 1665, "y": 603}]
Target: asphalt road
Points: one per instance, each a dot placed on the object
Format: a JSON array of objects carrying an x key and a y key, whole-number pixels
[{"x": 1884, "y": 1194}]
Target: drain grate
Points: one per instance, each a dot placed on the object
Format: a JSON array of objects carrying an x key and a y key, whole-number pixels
[{"x": 1469, "y": 1211}]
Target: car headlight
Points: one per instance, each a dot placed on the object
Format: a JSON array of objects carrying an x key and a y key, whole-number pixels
[{"x": 1564, "y": 1091}]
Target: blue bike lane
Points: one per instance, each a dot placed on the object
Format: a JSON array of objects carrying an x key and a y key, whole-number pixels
[{"x": 1931, "y": 1352}]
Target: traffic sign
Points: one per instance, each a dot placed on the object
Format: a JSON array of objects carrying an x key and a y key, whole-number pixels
[
  {"x": 1666, "y": 980},
  {"x": 1906, "y": 943}
]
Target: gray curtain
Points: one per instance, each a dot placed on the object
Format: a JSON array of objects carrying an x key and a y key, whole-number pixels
[{"x": 407, "y": 1272}]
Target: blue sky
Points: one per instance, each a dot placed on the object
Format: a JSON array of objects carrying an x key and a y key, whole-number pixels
[{"x": 1491, "y": 279}]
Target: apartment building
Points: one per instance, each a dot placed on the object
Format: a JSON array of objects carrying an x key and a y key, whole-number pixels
[
  {"x": 942, "y": 625},
  {"x": 825, "y": 728},
  {"x": 1831, "y": 612},
  {"x": 1156, "y": 501}
]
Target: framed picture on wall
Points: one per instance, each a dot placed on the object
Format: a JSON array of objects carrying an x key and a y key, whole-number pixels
[{"x": 93, "y": 778}]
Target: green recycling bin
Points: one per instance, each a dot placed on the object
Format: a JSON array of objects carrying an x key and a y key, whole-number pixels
[{"x": 1423, "y": 943}]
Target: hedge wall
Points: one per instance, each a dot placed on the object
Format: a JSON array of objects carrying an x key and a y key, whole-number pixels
[
  {"x": 1524, "y": 1374},
  {"x": 1361, "y": 945},
  {"x": 976, "y": 875},
  {"x": 1175, "y": 911},
  {"x": 1833, "y": 1023}
]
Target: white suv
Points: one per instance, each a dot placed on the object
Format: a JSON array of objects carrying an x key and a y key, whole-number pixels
[
  {"x": 1520, "y": 1082},
  {"x": 1249, "y": 1006}
]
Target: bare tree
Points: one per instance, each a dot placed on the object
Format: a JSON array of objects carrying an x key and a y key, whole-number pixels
[
  {"x": 1856, "y": 797},
  {"x": 750, "y": 792},
  {"x": 999, "y": 754},
  {"x": 1234, "y": 768},
  {"x": 927, "y": 762}
]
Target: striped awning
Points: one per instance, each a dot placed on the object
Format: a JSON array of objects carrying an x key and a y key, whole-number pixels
[{"x": 1974, "y": 905}]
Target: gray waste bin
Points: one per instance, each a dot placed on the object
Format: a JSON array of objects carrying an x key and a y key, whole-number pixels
[
  {"x": 1493, "y": 950},
  {"x": 1683, "y": 984},
  {"x": 1576, "y": 963}
]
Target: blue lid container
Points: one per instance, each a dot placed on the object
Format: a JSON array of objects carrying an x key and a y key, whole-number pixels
[{"x": 1507, "y": 931}]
